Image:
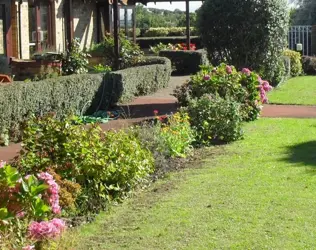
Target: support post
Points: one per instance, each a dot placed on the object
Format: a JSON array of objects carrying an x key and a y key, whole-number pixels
[
  {"x": 116, "y": 34},
  {"x": 70, "y": 23},
  {"x": 126, "y": 22},
  {"x": 187, "y": 13},
  {"x": 134, "y": 24}
]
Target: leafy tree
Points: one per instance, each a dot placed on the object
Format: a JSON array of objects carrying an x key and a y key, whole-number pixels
[
  {"x": 248, "y": 33},
  {"x": 305, "y": 14}
]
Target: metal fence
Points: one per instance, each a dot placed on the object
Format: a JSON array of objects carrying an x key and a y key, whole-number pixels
[{"x": 303, "y": 35}]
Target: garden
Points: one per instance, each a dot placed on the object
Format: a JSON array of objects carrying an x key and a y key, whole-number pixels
[{"x": 211, "y": 175}]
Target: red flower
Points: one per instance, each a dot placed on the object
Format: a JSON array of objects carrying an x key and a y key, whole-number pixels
[{"x": 156, "y": 111}]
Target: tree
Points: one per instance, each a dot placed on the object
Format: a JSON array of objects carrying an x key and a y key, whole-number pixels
[
  {"x": 247, "y": 33},
  {"x": 305, "y": 13}
]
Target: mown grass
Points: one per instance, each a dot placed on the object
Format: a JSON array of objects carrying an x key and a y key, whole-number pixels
[
  {"x": 258, "y": 193},
  {"x": 299, "y": 90}
]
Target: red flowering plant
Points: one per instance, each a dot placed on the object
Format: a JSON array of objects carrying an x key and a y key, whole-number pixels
[
  {"x": 26, "y": 204},
  {"x": 245, "y": 87},
  {"x": 183, "y": 46}
]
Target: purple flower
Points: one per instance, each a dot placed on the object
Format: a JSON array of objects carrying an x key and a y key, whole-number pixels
[{"x": 206, "y": 77}]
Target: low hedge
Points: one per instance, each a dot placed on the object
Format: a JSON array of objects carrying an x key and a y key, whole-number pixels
[
  {"x": 186, "y": 61},
  {"x": 168, "y": 31},
  {"x": 77, "y": 93},
  {"x": 309, "y": 65},
  {"x": 147, "y": 42}
]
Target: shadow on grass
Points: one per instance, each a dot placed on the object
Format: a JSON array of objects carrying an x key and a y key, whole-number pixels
[{"x": 303, "y": 154}]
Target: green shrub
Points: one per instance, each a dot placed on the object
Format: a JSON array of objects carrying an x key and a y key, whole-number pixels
[
  {"x": 105, "y": 164},
  {"x": 130, "y": 53},
  {"x": 244, "y": 87},
  {"x": 309, "y": 65},
  {"x": 186, "y": 61},
  {"x": 249, "y": 34},
  {"x": 75, "y": 60},
  {"x": 79, "y": 93},
  {"x": 215, "y": 120},
  {"x": 295, "y": 60}
]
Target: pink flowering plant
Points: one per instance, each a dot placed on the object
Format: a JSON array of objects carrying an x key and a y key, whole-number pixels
[
  {"x": 26, "y": 204},
  {"x": 245, "y": 87}
]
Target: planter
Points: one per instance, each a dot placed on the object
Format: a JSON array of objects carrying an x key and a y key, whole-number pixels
[
  {"x": 26, "y": 69},
  {"x": 95, "y": 60}
]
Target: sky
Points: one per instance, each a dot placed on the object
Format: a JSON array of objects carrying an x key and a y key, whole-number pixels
[{"x": 177, "y": 5}]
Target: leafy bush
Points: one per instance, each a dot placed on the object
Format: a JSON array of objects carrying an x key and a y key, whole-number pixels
[
  {"x": 309, "y": 65},
  {"x": 106, "y": 165},
  {"x": 215, "y": 120},
  {"x": 295, "y": 60},
  {"x": 244, "y": 87},
  {"x": 75, "y": 60},
  {"x": 249, "y": 34},
  {"x": 186, "y": 61},
  {"x": 130, "y": 53}
]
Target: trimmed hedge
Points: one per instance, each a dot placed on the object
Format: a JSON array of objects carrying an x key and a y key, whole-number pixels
[
  {"x": 146, "y": 42},
  {"x": 168, "y": 31},
  {"x": 77, "y": 93},
  {"x": 296, "y": 61},
  {"x": 186, "y": 61},
  {"x": 309, "y": 65}
]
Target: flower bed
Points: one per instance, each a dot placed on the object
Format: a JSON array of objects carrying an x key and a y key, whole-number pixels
[{"x": 185, "y": 61}]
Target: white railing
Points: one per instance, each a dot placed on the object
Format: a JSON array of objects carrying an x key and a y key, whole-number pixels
[{"x": 303, "y": 35}]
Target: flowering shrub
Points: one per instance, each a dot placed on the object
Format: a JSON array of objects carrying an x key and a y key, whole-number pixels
[
  {"x": 24, "y": 199},
  {"x": 215, "y": 120},
  {"x": 244, "y": 87}
]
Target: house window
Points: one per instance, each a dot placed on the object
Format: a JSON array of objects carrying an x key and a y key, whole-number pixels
[{"x": 41, "y": 30}]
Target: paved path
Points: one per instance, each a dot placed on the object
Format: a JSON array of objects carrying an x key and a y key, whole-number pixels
[{"x": 142, "y": 108}]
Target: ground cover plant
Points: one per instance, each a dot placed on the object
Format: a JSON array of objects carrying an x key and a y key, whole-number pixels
[
  {"x": 241, "y": 197},
  {"x": 298, "y": 90}
]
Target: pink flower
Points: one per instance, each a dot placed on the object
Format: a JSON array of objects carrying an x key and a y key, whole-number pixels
[
  {"x": 46, "y": 229},
  {"x": 246, "y": 71},
  {"x": 20, "y": 214},
  {"x": 156, "y": 111},
  {"x": 229, "y": 69},
  {"x": 206, "y": 77},
  {"x": 2, "y": 164},
  {"x": 28, "y": 248},
  {"x": 53, "y": 191}
]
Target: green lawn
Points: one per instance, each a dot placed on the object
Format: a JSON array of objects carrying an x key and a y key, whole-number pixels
[
  {"x": 258, "y": 193},
  {"x": 298, "y": 90}
]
